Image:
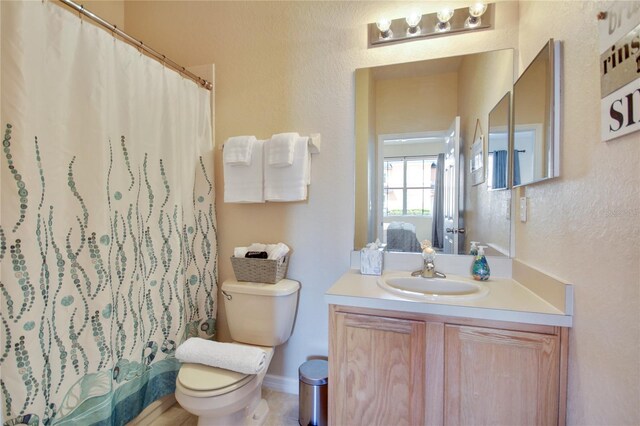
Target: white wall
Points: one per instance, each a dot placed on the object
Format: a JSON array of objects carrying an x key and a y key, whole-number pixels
[{"x": 290, "y": 66}]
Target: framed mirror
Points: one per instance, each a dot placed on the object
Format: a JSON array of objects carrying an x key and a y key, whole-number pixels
[
  {"x": 415, "y": 125},
  {"x": 498, "y": 150},
  {"x": 536, "y": 119}
]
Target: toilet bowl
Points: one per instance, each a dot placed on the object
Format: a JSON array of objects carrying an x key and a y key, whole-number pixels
[
  {"x": 222, "y": 397},
  {"x": 259, "y": 315}
]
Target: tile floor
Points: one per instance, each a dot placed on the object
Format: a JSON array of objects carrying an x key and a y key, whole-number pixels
[{"x": 283, "y": 411}]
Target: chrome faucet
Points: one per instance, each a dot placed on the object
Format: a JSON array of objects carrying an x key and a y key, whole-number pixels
[{"x": 428, "y": 270}]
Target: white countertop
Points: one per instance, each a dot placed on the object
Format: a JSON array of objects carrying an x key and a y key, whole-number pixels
[{"x": 507, "y": 300}]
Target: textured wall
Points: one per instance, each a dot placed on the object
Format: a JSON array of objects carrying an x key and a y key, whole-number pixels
[
  {"x": 584, "y": 227},
  {"x": 283, "y": 66}
]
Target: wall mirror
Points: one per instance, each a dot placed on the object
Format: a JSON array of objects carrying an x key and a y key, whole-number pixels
[
  {"x": 415, "y": 125},
  {"x": 536, "y": 118},
  {"x": 498, "y": 155}
]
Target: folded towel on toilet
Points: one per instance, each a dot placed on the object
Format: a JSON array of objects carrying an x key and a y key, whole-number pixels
[{"x": 230, "y": 356}]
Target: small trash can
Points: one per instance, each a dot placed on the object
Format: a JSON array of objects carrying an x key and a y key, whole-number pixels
[{"x": 313, "y": 393}]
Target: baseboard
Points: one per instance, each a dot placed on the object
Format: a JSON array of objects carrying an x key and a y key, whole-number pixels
[
  {"x": 281, "y": 384},
  {"x": 153, "y": 411}
]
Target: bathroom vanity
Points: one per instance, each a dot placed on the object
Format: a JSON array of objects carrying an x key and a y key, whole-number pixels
[{"x": 497, "y": 359}]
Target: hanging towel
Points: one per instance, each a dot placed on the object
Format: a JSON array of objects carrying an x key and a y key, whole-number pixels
[
  {"x": 243, "y": 184},
  {"x": 237, "y": 150},
  {"x": 289, "y": 183},
  {"x": 230, "y": 356},
  {"x": 280, "y": 149}
]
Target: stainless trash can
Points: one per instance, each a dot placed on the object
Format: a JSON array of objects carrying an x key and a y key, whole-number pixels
[{"x": 313, "y": 393}]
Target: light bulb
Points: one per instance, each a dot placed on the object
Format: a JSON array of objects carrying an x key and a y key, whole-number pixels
[
  {"x": 444, "y": 16},
  {"x": 478, "y": 9},
  {"x": 384, "y": 26},
  {"x": 413, "y": 20},
  {"x": 475, "y": 12}
]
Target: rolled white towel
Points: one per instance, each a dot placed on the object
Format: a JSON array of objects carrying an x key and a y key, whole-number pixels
[
  {"x": 240, "y": 251},
  {"x": 276, "y": 251},
  {"x": 257, "y": 247},
  {"x": 230, "y": 356}
]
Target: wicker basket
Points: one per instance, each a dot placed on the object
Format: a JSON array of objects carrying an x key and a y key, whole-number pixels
[{"x": 260, "y": 270}]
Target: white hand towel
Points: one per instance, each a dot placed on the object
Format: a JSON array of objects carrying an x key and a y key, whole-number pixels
[
  {"x": 244, "y": 184},
  {"x": 237, "y": 150},
  {"x": 280, "y": 149},
  {"x": 230, "y": 356},
  {"x": 289, "y": 183}
]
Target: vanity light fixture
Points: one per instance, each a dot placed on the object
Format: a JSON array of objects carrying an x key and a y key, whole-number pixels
[
  {"x": 475, "y": 13},
  {"x": 415, "y": 26},
  {"x": 444, "y": 16},
  {"x": 413, "y": 21},
  {"x": 384, "y": 26}
]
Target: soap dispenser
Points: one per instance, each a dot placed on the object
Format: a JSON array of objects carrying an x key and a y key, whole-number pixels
[
  {"x": 480, "y": 269},
  {"x": 473, "y": 251}
]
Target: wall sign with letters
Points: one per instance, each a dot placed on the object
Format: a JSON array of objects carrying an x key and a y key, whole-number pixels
[{"x": 619, "y": 30}]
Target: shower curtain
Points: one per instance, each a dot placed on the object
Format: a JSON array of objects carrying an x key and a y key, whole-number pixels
[{"x": 108, "y": 247}]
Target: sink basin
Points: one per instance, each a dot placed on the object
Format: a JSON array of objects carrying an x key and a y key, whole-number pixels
[{"x": 418, "y": 288}]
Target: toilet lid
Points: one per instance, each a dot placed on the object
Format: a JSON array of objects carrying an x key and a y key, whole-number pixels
[{"x": 201, "y": 378}]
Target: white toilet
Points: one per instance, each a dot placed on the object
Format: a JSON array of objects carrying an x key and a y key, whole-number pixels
[{"x": 258, "y": 315}]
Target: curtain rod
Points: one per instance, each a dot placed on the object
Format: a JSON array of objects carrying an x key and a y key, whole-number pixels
[{"x": 139, "y": 44}]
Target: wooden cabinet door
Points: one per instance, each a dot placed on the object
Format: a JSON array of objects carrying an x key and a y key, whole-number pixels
[
  {"x": 376, "y": 371},
  {"x": 503, "y": 377}
]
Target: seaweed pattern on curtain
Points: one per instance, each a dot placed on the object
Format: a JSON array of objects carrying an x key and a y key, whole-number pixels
[{"x": 90, "y": 326}]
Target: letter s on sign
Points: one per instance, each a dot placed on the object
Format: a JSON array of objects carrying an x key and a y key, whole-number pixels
[{"x": 616, "y": 115}]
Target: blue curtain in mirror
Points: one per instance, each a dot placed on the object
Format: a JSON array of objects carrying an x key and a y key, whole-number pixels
[
  {"x": 437, "y": 226},
  {"x": 500, "y": 169},
  {"x": 516, "y": 167}
]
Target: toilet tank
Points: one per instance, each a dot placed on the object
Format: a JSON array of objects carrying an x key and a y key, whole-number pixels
[{"x": 260, "y": 314}]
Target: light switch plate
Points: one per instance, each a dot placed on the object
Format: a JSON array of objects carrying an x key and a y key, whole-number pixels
[
  {"x": 507, "y": 210},
  {"x": 523, "y": 209}
]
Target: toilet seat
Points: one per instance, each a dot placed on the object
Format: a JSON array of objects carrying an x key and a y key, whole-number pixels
[{"x": 203, "y": 381}]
